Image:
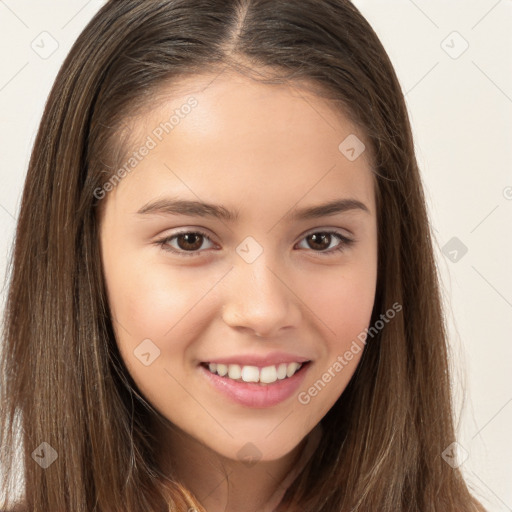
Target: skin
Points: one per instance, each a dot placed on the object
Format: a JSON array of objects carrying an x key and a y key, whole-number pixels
[{"x": 263, "y": 150}]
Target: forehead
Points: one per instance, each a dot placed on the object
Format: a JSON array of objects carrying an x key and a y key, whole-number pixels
[{"x": 244, "y": 140}]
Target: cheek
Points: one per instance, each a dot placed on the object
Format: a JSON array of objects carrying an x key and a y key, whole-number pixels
[
  {"x": 342, "y": 305},
  {"x": 151, "y": 310},
  {"x": 342, "y": 301},
  {"x": 148, "y": 299},
  {"x": 169, "y": 307}
]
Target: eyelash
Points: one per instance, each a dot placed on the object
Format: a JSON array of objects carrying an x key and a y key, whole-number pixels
[{"x": 345, "y": 242}]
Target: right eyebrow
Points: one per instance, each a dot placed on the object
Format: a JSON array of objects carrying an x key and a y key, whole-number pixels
[{"x": 171, "y": 206}]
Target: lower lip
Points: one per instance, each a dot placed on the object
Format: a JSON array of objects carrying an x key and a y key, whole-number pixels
[{"x": 252, "y": 394}]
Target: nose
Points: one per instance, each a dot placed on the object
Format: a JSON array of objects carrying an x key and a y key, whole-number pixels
[{"x": 260, "y": 300}]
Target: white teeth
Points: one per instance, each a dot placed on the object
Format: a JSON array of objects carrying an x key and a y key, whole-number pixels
[
  {"x": 234, "y": 371},
  {"x": 281, "y": 371},
  {"x": 222, "y": 369},
  {"x": 250, "y": 374},
  {"x": 266, "y": 375},
  {"x": 292, "y": 368}
]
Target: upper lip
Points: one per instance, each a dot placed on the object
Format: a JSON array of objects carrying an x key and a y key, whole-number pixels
[{"x": 271, "y": 359}]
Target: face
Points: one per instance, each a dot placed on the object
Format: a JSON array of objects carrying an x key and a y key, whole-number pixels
[{"x": 261, "y": 283}]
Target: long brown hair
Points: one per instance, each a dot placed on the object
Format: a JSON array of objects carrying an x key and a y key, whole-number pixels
[{"x": 63, "y": 381}]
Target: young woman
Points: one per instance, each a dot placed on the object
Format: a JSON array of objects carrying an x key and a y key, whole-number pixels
[{"x": 223, "y": 294}]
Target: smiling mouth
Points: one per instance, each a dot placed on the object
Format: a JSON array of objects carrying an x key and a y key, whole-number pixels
[{"x": 255, "y": 374}]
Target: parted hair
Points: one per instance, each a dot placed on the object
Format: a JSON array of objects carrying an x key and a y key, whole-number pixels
[{"x": 62, "y": 378}]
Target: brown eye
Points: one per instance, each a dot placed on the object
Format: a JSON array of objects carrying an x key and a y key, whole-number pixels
[
  {"x": 319, "y": 241},
  {"x": 187, "y": 243}
]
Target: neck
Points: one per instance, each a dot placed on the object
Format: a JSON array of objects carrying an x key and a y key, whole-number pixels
[{"x": 222, "y": 484}]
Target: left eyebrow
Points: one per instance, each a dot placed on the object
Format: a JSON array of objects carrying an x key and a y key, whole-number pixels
[
  {"x": 201, "y": 209},
  {"x": 326, "y": 209}
]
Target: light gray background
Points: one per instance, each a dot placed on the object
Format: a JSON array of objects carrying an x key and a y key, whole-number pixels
[{"x": 460, "y": 103}]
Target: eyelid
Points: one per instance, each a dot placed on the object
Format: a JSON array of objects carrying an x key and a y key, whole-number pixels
[
  {"x": 345, "y": 233},
  {"x": 163, "y": 242},
  {"x": 344, "y": 241}
]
